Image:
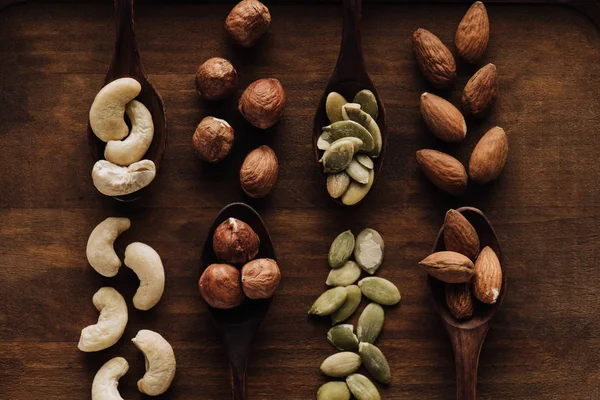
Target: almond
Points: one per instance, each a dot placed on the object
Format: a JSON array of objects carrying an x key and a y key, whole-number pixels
[
  {"x": 443, "y": 119},
  {"x": 488, "y": 276},
  {"x": 448, "y": 266},
  {"x": 480, "y": 91},
  {"x": 459, "y": 300},
  {"x": 459, "y": 235},
  {"x": 473, "y": 33},
  {"x": 489, "y": 156},
  {"x": 443, "y": 170},
  {"x": 434, "y": 59}
]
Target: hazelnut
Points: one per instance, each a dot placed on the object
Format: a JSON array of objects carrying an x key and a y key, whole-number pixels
[
  {"x": 213, "y": 139},
  {"x": 259, "y": 172},
  {"x": 216, "y": 79},
  {"x": 262, "y": 103},
  {"x": 220, "y": 286},
  {"x": 247, "y": 22},
  {"x": 234, "y": 242},
  {"x": 260, "y": 278}
]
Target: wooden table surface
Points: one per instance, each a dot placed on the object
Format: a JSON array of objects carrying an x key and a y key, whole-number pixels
[{"x": 545, "y": 341}]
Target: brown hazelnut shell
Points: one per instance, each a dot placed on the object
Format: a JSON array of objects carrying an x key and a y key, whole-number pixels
[
  {"x": 213, "y": 139},
  {"x": 221, "y": 287},
  {"x": 247, "y": 22},
  {"x": 260, "y": 278},
  {"x": 216, "y": 79},
  {"x": 259, "y": 172},
  {"x": 263, "y": 102},
  {"x": 235, "y": 242}
]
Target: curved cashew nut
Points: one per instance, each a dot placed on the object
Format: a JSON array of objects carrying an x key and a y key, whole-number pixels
[
  {"x": 133, "y": 148},
  {"x": 113, "y": 180},
  {"x": 111, "y": 322},
  {"x": 100, "y": 251},
  {"x": 107, "y": 378},
  {"x": 148, "y": 267},
  {"x": 160, "y": 362},
  {"x": 107, "y": 114}
]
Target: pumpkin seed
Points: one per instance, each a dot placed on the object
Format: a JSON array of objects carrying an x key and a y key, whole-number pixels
[
  {"x": 342, "y": 337},
  {"x": 339, "y": 155},
  {"x": 362, "y": 388},
  {"x": 354, "y": 106},
  {"x": 334, "y": 391},
  {"x": 380, "y": 290},
  {"x": 337, "y": 184},
  {"x": 368, "y": 102},
  {"x": 333, "y": 106},
  {"x": 370, "y": 323},
  {"x": 357, "y": 172},
  {"x": 356, "y": 191},
  {"x": 323, "y": 144},
  {"x": 368, "y": 251},
  {"x": 375, "y": 362},
  {"x": 341, "y": 364},
  {"x": 357, "y": 115},
  {"x": 346, "y": 275},
  {"x": 341, "y": 249},
  {"x": 343, "y": 129},
  {"x": 365, "y": 161},
  {"x": 350, "y": 305},
  {"x": 329, "y": 301}
]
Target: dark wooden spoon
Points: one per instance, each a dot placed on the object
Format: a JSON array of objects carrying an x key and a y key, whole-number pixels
[
  {"x": 126, "y": 63},
  {"x": 238, "y": 326},
  {"x": 467, "y": 336},
  {"x": 349, "y": 77}
]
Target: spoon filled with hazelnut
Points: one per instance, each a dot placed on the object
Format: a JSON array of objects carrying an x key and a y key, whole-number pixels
[
  {"x": 349, "y": 130},
  {"x": 239, "y": 277}
]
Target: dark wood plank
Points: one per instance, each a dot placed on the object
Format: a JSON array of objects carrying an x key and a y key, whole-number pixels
[{"x": 546, "y": 207}]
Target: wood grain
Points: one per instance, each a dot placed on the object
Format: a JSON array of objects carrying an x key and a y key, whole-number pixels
[{"x": 546, "y": 206}]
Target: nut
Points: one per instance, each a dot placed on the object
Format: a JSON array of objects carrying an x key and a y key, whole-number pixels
[
  {"x": 262, "y": 103},
  {"x": 220, "y": 286},
  {"x": 341, "y": 364},
  {"x": 473, "y": 33},
  {"x": 488, "y": 276},
  {"x": 459, "y": 235},
  {"x": 443, "y": 119},
  {"x": 489, "y": 156},
  {"x": 235, "y": 242},
  {"x": 480, "y": 91},
  {"x": 133, "y": 147},
  {"x": 147, "y": 265},
  {"x": 260, "y": 278},
  {"x": 259, "y": 172},
  {"x": 111, "y": 322},
  {"x": 216, "y": 79},
  {"x": 160, "y": 362},
  {"x": 213, "y": 139},
  {"x": 113, "y": 180},
  {"x": 352, "y": 302},
  {"x": 448, "y": 266},
  {"x": 443, "y": 170},
  {"x": 434, "y": 59},
  {"x": 100, "y": 251},
  {"x": 108, "y": 109},
  {"x": 107, "y": 378},
  {"x": 247, "y": 22},
  {"x": 459, "y": 300}
]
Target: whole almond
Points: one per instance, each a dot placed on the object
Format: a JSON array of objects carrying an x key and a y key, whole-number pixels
[
  {"x": 444, "y": 171},
  {"x": 489, "y": 156},
  {"x": 488, "y": 276},
  {"x": 434, "y": 59},
  {"x": 480, "y": 91},
  {"x": 443, "y": 119},
  {"x": 459, "y": 235},
  {"x": 459, "y": 300},
  {"x": 448, "y": 266},
  {"x": 473, "y": 33}
]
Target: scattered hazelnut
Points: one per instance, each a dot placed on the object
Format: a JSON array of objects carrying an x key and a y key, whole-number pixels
[
  {"x": 213, "y": 139},
  {"x": 260, "y": 278},
  {"x": 259, "y": 172},
  {"x": 220, "y": 286},
  {"x": 247, "y": 22},
  {"x": 262, "y": 103},
  {"x": 235, "y": 242},
  {"x": 216, "y": 79}
]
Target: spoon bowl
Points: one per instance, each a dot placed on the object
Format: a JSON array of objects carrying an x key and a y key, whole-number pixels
[
  {"x": 238, "y": 326},
  {"x": 126, "y": 62}
]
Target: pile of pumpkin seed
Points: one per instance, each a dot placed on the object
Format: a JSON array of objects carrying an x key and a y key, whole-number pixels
[
  {"x": 350, "y": 144},
  {"x": 340, "y": 303}
]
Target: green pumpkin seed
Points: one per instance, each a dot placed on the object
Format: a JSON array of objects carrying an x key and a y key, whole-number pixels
[
  {"x": 370, "y": 323},
  {"x": 343, "y": 129},
  {"x": 337, "y": 184},
  {"x": 348, "y": 106},
  {"x": 323, "y": 144},
  {"x": 341, "y": 364},
  {"x": 365, "y": 161},
  {"x": 339, "y": 155},
  {"x": 352, "y": 112},
  {"x": 334, "y": 391},
  {"x": 374, "y": 130},
  {"x": 375, "y": 362},
  {"x": 368, "y": 251},
  {"x": 380, "y": 290},
  {"x": 362, "y": 388},
  {"x": 357, "y": 115},
  {"x": 356, "y": 191},
  {"x": 346, "y": 275},
  {"x": 333, "y": 106},
  {"x": 329, "y": 301},
  {"x": 357, "y": 172},
  {"x": 341, "y": 249},
  {"x": 342, "y": 337},
  {"x": 350, "y": 305},
  {"x": 368, "y": 102}
]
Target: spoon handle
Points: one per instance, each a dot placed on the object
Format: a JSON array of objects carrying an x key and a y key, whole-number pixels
[
  {"x": 238, "y": 380},
  {"x": 467, "y": 346},
  {"x": 126, "y": 58},
  {"x": 350, "y": 62}
]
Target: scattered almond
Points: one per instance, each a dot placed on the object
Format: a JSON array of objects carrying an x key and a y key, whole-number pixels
[
  {"x": 459, "y": 235},
  {"x": 435, "y": 60},
  {"x": 489, "y": 156},
  {"x": 473, "y": 33},
  {"x": 480, "y": 91},
  {"x": 488, "y": 276},
  {"x": 444, "y": 171},
  {"x": 443, "y": 119},
  {"x": 448, "y": 266},
  {"x": 459, "y": 300}
]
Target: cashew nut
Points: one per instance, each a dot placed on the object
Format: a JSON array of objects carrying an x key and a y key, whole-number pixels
[
  {"x": 111, "y": 322},
  {"x": 132, "y": 149},
  {"x": 107, "y": 114},
  {"x": 148, "y": 267},
  {"x": 113, "y": 180},
  {"x": 100, "y": 251},
  {"x": 107, "y": 378},
  {"x": 160, "y": 362}
]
